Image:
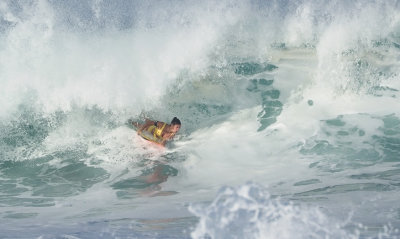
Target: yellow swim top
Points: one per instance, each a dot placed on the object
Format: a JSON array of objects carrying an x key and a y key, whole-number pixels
[
  {"x": 153, "y": 133},
  {"x": 158, "y": 132}
]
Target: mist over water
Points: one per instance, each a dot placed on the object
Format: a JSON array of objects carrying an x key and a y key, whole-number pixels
[{"x": 289, "y": 110}]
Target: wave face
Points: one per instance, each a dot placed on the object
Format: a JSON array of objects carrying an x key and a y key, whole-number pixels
[{"x": 299, "y": 97}]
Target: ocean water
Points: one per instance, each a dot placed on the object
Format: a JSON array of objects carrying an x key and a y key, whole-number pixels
[{"x": 290, "y": 117}]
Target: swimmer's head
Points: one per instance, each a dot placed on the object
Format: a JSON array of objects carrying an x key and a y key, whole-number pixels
[{"x": 175, "y": 125}]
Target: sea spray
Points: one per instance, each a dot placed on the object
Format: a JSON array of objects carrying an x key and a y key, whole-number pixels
[{"x": 249, "y": 211}]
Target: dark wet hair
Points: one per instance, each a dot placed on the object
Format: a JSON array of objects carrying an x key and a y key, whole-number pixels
[{"x": 175, "y": 121}]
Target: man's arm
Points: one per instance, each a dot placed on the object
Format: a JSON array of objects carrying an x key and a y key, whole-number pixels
[
  {"x": 166, "y": 137},
  {"x": 145, "y": 125},
  {"x": 163, "y": 142}
]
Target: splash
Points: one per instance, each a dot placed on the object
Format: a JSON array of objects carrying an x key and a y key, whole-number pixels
[{"x": 249, "y": 211}]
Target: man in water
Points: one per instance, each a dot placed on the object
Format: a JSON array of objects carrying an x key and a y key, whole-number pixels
[{"x": 158, "y": 132}]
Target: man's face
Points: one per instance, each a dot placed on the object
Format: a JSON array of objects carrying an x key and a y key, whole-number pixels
[{"x": 175, "y": 128}]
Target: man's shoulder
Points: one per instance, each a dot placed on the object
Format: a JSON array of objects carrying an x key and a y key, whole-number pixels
[{"x": 160, "y": 124}]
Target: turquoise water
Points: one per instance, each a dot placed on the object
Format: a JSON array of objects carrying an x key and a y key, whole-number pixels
[{"x": 289, "y": 109}]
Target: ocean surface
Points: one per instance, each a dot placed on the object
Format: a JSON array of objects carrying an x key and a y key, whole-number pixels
[{"x": 290, "y": 117}]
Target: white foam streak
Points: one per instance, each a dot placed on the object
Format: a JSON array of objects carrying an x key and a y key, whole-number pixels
[{"x": 249, "y": 212}]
